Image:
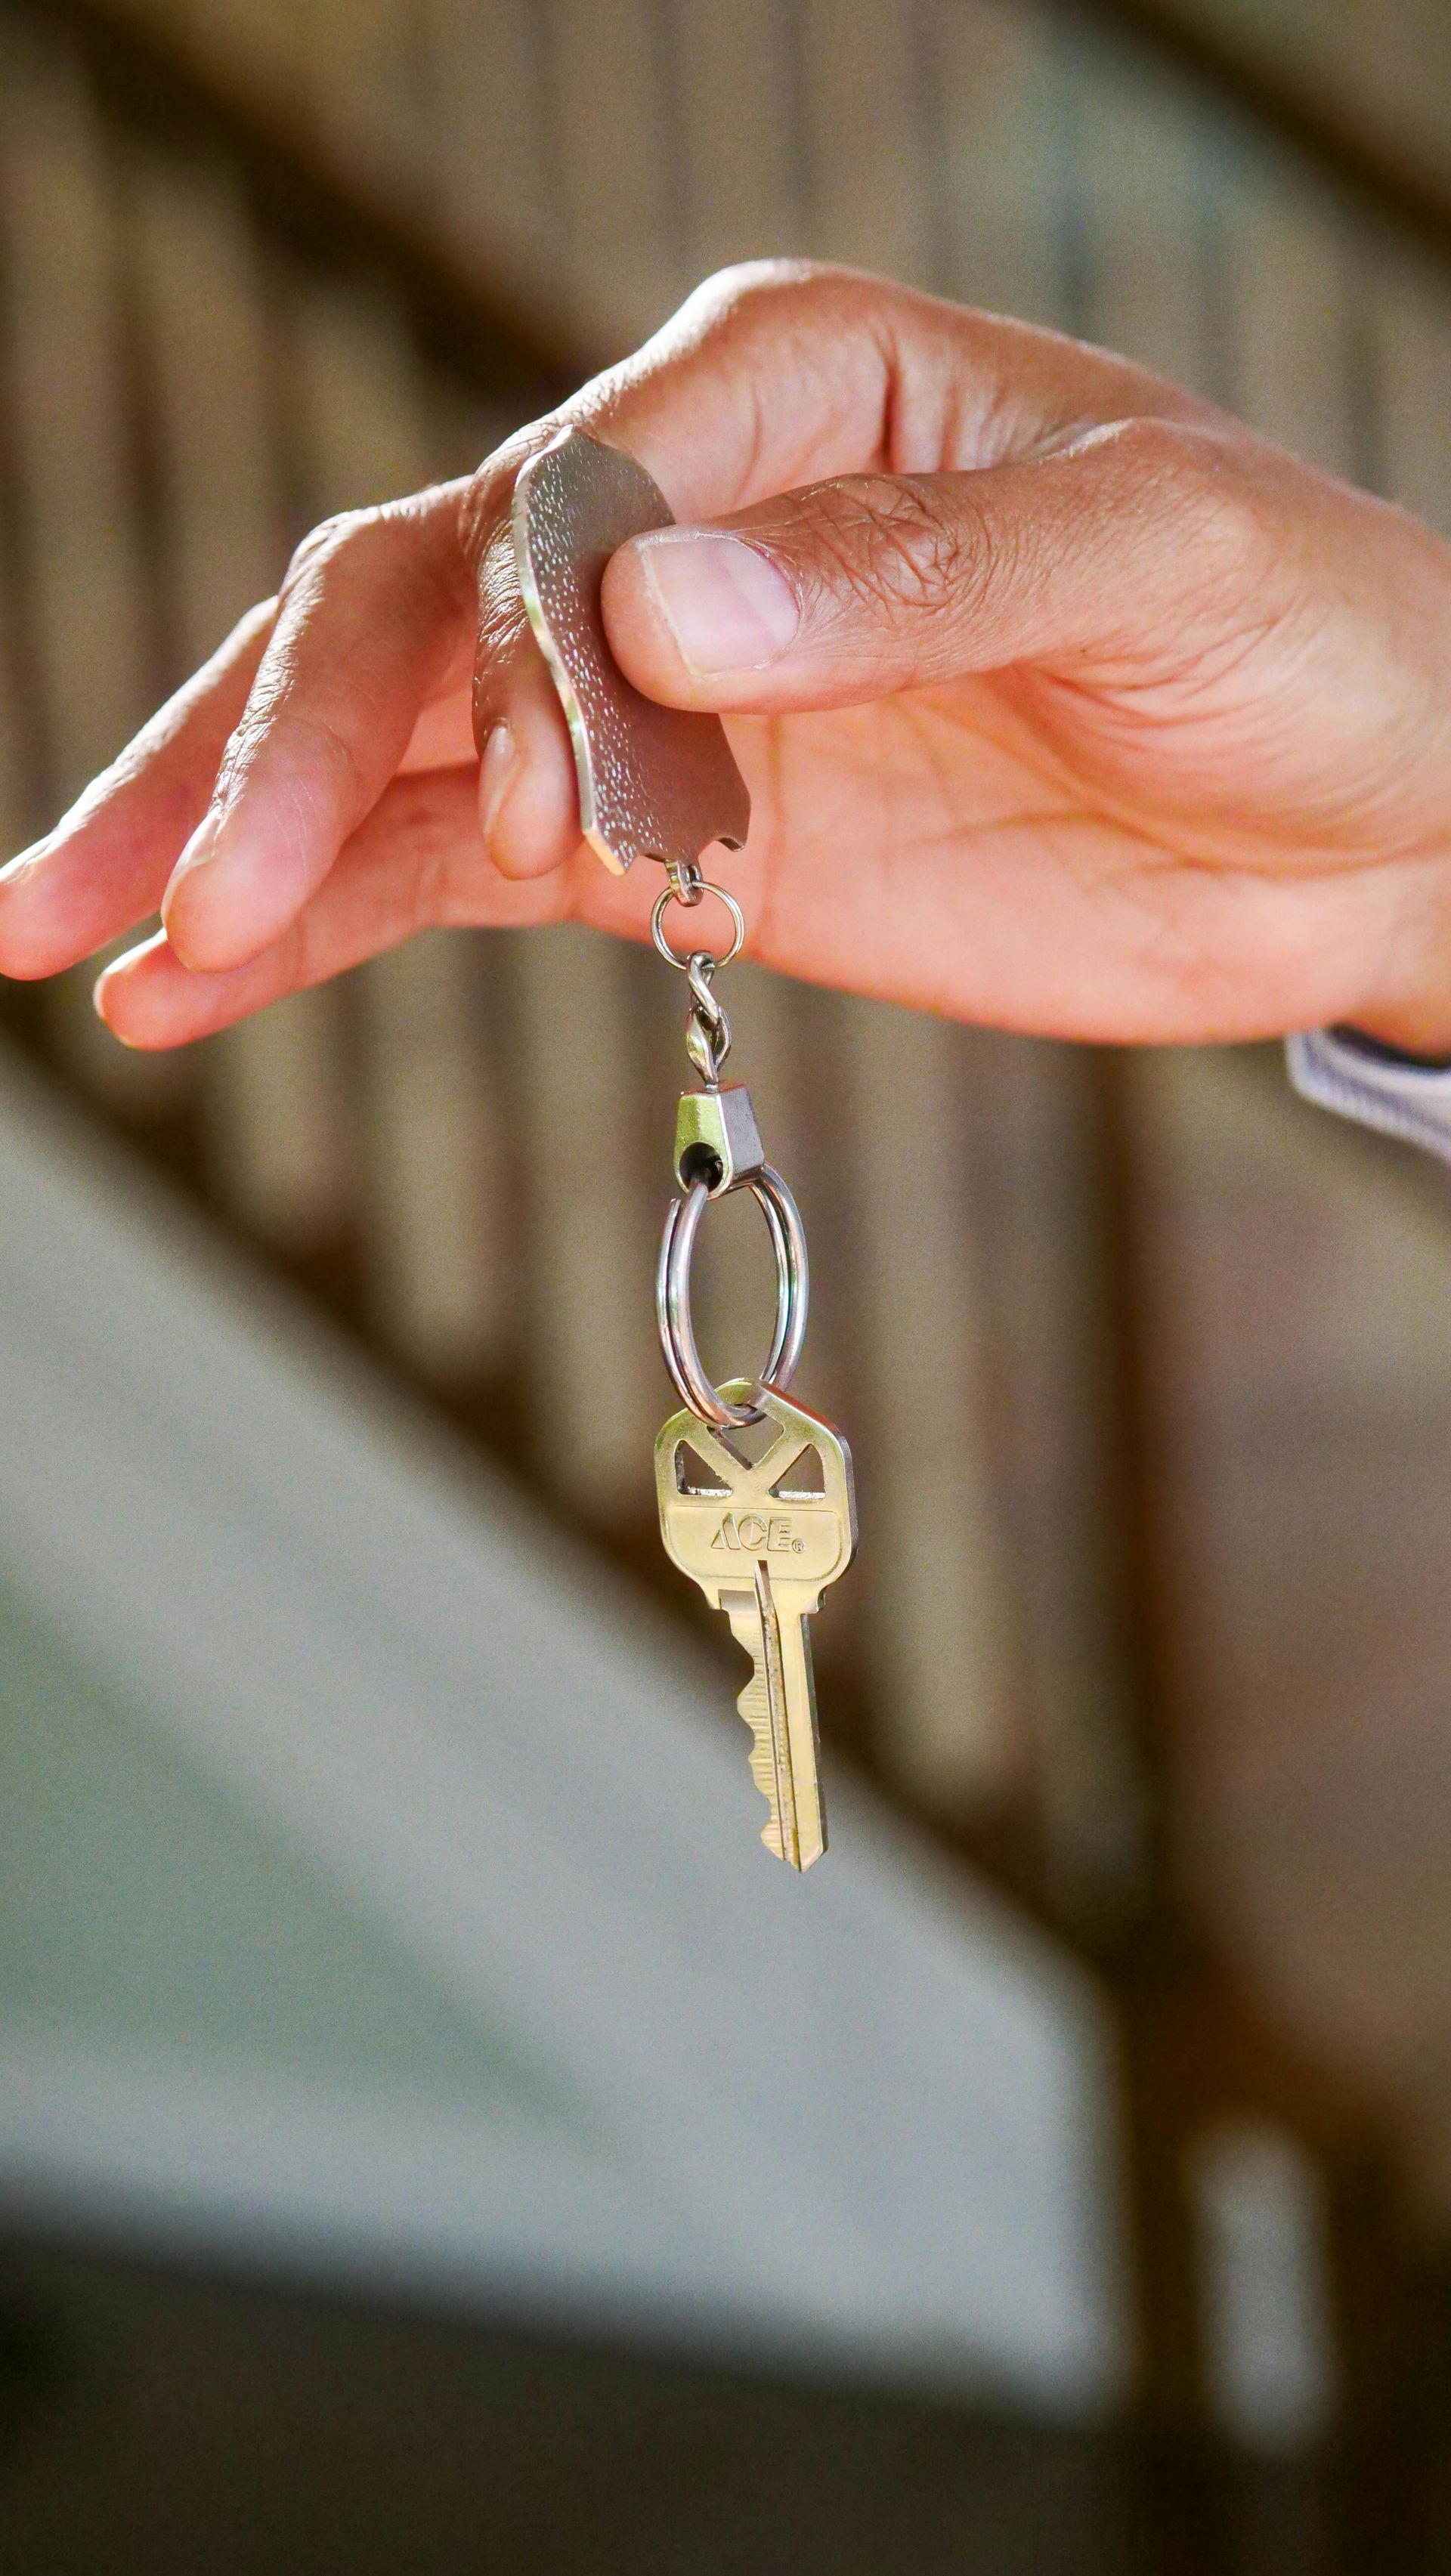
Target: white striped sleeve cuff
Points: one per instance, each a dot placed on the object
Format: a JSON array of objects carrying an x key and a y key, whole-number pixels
[{"x": 1372, "y": 1084}]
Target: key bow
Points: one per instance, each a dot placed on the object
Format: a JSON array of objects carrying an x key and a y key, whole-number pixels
[{"x": 752, "y": 1511}]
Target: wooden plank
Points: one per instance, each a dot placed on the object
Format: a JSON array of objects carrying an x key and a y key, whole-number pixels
[
  {"x": 267, "y": 44},
  {"x": 361, "y": 411},
  {"x": 611, "y": 157},
  {"x": 735, "y": 86},
  {"x": 90, "y": 604},
  {"x": 939, "y": 1620},
  {"x": 282, "y": 1122},
  {"x": 1144, "y": 192},
  {"x": 995, "y": 129},
  {"x": 205, "y": 327},
  {"x": 279, "y": 1135},
  {"x": 1410, "y": 316},
  {"x": 489, "y": 177},
  {"x": 274, "y": 1123},
  {"x": 864, "y": 142},
  {"x": 1288, "y": 282},
  {"x": 440, "y": 1253},
  {"x": 16, "y": 771},
  {"x": 1043, "y": 1248},
  {"x": 22, "y": 811},
  {"x": 598, "y": 1393},
  {"x": 207, "y": 334},
  {"x": 91, "y": 630},
  {"x": 362, "y": 70},
  {"x": 433, "y": 1147},
  {"x": 462, "y": 427}
]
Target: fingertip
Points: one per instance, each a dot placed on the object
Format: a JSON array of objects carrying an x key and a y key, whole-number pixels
[
  {"x": 639, "y": 636},
  {"x": 32, "y": 943},
  {"x": 227, "y": 898},
  {"x": 121, "y": 992},
  {"x": 149, "y": 1001},
  {"x": 697, "y": 616},
  {"x": 528, "y": 797},
  {"x": 189, "y": 902}
]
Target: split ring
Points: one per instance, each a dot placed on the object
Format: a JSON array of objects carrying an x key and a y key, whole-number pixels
[
  {"x": 672, "y": 1299},
  {"x": 668, "y": 894}
]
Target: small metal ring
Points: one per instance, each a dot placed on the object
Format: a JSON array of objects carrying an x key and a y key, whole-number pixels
[
  {"x": 672, "y": 1299},
  {"x": 669, "y": 895}
]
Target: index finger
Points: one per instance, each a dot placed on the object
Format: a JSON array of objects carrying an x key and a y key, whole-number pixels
[{"x": 375, "y": 608}]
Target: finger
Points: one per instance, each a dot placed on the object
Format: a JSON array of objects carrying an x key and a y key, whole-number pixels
[
  {"x": 1145, "y": 533},
  {"x": 417, "y": 860},
  {"x": 443, "y": 735},
  {"x": 528, "y": 795},
  {"x": 367, "y": 628},
  {"x": 105, "y": 865},
  {"x": 780, "y": 372}
]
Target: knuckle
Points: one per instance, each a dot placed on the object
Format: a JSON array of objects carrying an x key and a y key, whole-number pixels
[
  {"x": 332, "y": 537},
  {"x": 747, "y": 281},
  {"x": 331, "y": 751},
  {"x": 900, "y": 547},
  {"x": 1198, "y": 475},
  {"x": 750, "y": 289}
]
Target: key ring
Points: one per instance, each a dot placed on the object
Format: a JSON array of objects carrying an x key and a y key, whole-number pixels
[
  {"x": 688, "y": 887},
  {"x": 672, "y": 1299}
]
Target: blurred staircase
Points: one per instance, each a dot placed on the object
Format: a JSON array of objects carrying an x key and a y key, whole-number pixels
[{"x": 257, "y": 266}]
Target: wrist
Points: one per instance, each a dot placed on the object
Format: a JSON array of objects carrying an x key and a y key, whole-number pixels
[{"x": 1418, "y": 1028}]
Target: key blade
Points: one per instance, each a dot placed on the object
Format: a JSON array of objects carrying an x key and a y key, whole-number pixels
[
  {"x": 756, "y": 1626},
  {"x": 798, "y": 1678},
  {"x": 779, "y": 1706},
  {"x": 654, "y": 782}
]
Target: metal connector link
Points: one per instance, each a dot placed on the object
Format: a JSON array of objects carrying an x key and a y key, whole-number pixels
[{"x": 717, "y": 1140}]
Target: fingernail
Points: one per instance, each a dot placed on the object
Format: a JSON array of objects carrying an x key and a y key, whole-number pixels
[
  {"x": 100, "y": 992},
  {"x": 117, "y": 976},
  {"x": 497, "y": 772},
  {"x": 726, "y": 605},
  {"x": 198, "y": 849}
]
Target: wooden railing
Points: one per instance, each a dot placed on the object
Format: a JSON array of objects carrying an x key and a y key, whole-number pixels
[{"x": 215, "y": 334}]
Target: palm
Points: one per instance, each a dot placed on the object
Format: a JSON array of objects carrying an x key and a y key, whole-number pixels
[{"x": 984, "y": 852}]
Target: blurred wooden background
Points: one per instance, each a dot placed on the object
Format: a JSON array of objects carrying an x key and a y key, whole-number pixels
[{"x": 1152, "y": 1621}]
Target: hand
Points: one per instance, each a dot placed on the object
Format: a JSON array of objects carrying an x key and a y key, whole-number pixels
[{"x": 1065, "y": 703}]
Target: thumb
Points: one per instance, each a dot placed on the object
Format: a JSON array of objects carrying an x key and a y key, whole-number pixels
[{"x": 852, "y": 589}]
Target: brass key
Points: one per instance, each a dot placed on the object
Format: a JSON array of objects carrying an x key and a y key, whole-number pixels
[{"x": 763, "y": 1544}]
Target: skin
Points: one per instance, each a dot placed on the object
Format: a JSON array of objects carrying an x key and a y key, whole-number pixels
[{"x": 1094, "y": 715}]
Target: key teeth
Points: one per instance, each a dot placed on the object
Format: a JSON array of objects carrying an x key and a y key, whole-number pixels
[
  {"x": 763, "y": 1772},
  {"x": 798, "y": 1860},
  {"x": 782, "y": 1836},
  {"x": 763, "y": 1765}
]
